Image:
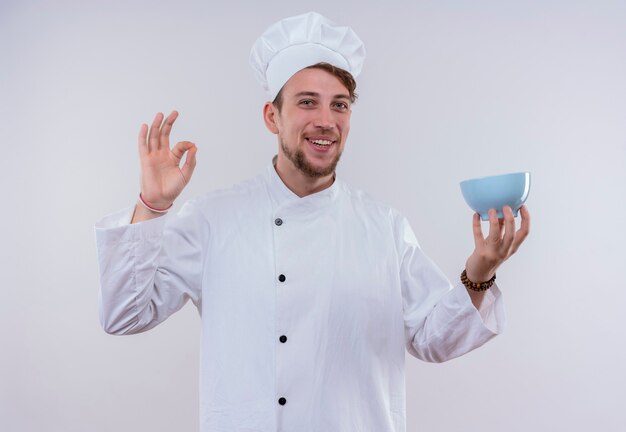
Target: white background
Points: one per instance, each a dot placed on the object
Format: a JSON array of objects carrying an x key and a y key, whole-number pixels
[{"x": 450, "y": 90}]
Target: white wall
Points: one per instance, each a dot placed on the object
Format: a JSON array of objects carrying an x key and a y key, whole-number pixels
[{"x": 450, "y": 90}]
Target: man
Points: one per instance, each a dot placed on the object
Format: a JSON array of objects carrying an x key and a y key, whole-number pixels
[{"x": 309, "y": 290}]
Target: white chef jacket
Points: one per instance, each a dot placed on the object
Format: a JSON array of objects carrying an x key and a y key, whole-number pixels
[{"x": 307, "y": 304}]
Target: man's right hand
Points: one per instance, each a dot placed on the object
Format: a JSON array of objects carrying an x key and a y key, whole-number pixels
[{"x": 162, "y": 177}]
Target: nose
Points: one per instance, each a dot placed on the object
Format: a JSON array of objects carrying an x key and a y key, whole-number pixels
[{"x": 324, "y": 118}]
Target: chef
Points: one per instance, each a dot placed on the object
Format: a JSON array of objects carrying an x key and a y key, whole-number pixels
[{"x": 310, "y": 291}]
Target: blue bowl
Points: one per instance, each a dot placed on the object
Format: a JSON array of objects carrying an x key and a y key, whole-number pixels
[{"x": 495, "y": 192}]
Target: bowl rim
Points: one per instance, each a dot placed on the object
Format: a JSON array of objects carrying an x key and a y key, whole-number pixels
[{"x": 525, "y": 173}]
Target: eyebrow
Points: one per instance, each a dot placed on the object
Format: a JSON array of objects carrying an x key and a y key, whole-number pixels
[{"x": 314, "y": 94}]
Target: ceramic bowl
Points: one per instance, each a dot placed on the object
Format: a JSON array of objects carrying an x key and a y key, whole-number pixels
[{"x": 495, "y": 192}]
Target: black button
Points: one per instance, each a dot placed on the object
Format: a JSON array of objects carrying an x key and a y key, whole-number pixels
[
  {"x": 278, "y": 221},
  {"x": 282, "y": 401},
  {"x": 283, "y": 338},
  {"x": 282, "y": 278}
]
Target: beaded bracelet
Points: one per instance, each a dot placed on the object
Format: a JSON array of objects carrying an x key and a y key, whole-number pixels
[
  {"x": 477, "y": 286},
  {"x": 154, "y": 209}
]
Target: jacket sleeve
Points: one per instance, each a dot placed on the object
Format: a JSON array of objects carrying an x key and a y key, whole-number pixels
[
  {"x": 440, "y": 321},
  {"x": 148, "y": 270}
]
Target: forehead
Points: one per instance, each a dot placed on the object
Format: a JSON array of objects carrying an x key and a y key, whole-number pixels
[{"x": 315, "y": 81}]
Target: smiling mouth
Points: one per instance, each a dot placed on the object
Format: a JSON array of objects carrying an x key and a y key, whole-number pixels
[{"x": 321, "y": 143}]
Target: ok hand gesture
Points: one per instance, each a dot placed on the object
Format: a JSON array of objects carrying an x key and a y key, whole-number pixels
[{"x": 162, "y": 177}]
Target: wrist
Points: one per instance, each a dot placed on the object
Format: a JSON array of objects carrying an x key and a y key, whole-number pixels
[
  {"x": 479, "y": 269},
  {"x": 477, "y": 285},
  {"x": 479, "y": 276},
  {"x": 159, "y": 209},
  {"x": 142, "y": 214}
]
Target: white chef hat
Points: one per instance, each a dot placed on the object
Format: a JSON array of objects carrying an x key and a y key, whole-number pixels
[{"x": 297, "y": 42}]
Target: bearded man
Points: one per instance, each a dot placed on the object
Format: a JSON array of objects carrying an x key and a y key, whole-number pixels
[{"x": 309, "y": 290}]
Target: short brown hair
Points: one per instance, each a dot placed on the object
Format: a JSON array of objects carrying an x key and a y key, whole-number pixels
[{"x": 342, "y": 75}]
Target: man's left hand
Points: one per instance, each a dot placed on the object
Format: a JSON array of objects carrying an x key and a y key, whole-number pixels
[{"x": 502, "y": 242}]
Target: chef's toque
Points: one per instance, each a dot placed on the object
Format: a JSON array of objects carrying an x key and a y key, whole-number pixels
[{"x": 295, "y": 43}]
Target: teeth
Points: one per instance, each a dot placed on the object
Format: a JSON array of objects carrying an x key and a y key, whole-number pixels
[{"x": 321, "y": 142}]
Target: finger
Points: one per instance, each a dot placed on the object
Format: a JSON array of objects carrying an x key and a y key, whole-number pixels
[
  {"x": 495, "y": 229},
  {"x": 153, "y": 135},
  {"x": 478, "y": 230},
  {"x": 524, "y": 230},
  {"x": 164, "y": 141},
  {"x": 190, "y": 163},
  {"x": 141, "y": 140},
  {"x": 509, "y": 230},
  {"x": 180, "y": 148}
]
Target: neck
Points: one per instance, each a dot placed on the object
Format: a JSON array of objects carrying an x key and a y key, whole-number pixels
[{"x": 298, "y": 182}]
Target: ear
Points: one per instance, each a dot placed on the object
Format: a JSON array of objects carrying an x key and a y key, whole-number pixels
[{"x": 270, "y": 116}]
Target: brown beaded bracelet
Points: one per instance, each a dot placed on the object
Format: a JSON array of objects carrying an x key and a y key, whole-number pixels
[{"x": 477, "y": 286}]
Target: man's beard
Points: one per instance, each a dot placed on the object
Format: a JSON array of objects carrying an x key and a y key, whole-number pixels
[{"x": 300, "y": 162}]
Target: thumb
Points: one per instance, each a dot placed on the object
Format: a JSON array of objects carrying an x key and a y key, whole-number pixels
[
  {"x": 477, "y": 230},
  {"x": 190, "y": 162}
]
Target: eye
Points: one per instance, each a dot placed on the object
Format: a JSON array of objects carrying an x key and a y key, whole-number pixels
[
  {"x": 306, "y": 102},
  {"x": 342, "y": 106}
]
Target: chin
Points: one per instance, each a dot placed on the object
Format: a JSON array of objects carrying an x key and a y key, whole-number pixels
[{"x": 320, "y": 170}]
